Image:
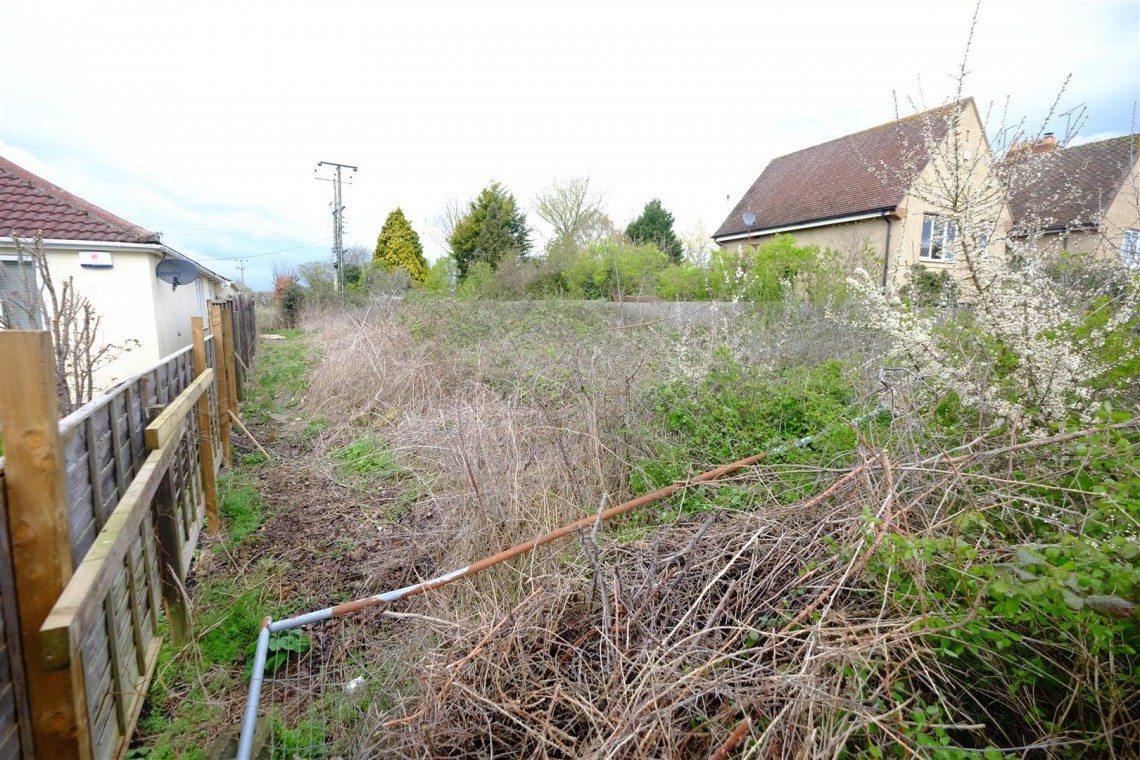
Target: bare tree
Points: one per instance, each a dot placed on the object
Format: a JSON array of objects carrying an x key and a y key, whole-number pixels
[
  {"x": 444, "y": 223},
  {"x": 71, "y": 318},
  {"x": 571, "y": 209}
]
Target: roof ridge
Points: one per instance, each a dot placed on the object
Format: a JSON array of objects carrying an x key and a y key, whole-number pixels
[{"x": 50, "y": 189}]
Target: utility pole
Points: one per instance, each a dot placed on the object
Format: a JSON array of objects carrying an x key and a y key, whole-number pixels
[
  {"x": 241, "y": 266},
  {"x": 338, "y": 219}
]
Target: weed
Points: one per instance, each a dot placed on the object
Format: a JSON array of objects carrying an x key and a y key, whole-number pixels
[
  {"x": 369, "y": 458},
  {"x": 240, "y": 505},
  {"x": 253, "y": 458}
]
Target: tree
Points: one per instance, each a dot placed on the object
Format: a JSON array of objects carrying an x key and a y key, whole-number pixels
[
  {"x": 572, "y": 210},
  {"x": 398, "y": 246},
  {"x": 493, "y": 226},
  {"x": 356, "y": 259},
  {"x": 655, "y": 226},
  {"x": 1030, "y": 352}
]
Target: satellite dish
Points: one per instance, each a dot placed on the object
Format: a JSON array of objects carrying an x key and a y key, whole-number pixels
[
  {"x": 749, "y": 218},
  {"x": 176, "y": 272}
]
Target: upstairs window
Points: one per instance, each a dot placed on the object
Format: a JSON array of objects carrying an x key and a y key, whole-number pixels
[
  {"x": 938, "y": 236},
  {"x": 1130, "y": 249}
]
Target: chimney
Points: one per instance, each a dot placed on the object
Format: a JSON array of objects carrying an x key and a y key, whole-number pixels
[{"x": 1046, "y": 144}]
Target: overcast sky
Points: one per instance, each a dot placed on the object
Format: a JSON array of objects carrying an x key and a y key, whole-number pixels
[{"x": 205, "y": 120}]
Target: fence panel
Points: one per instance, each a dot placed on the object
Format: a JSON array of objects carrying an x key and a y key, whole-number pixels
[
  {"x": 134, "y": 513},
  {"x": 15, "y": 734}
]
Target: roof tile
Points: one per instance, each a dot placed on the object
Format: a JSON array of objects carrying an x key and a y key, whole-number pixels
[
  {"x": 1069, "y": 187},
  {"x": 866, "y": 171},
  {"x": 31, "y": 205}
]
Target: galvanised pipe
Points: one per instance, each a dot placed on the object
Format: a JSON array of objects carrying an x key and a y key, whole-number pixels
[{"x": 249, "y": 717}]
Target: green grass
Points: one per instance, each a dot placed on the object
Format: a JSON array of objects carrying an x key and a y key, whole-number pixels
[
  {"x": 279, "y": 377},
  {"x": 369, "y": 458},
  {"x": 240, "y": 506}
]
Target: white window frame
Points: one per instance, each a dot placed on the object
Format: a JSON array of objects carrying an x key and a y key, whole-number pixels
[
  {"x": 938, "y": 236},
  {"x": 1130, "y": 248}
]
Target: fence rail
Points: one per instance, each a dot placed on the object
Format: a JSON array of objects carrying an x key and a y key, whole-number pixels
[{"x": 100, "y": 514}]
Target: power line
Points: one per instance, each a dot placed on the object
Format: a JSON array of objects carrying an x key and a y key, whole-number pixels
[{"x": 267, "y": 253}]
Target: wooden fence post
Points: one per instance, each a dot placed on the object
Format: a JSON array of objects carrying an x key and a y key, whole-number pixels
[
  {"x": 205, "y": 438},
  {"x": 41, "y": 542},
  {"x": 170, "y": 561},
  {"x": 231, "y": 346},
  {"x": 221, "y": 347}
]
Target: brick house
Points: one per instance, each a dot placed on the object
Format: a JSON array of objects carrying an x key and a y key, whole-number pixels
[
  {"x": 1080, "y": 199},
  {"x": 872, "y": 195}
]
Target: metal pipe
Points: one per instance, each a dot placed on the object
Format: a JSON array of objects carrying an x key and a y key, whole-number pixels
[
  {"x": 546, "y": 538},
  {"x": 249, "y": 717},
  {"x": 887, "y": 251}
]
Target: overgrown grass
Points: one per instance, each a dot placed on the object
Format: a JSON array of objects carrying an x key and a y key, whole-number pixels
[
  {"x": 862, "y": 596},
  {"x": 276, "y": 387},
  {"x": 912, "y": 586}
]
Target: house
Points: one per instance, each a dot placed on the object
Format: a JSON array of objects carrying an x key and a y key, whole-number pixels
[
  {"x": 877, "y": 196},
  {"x": 1084, "y": 198},
  {"x": 109, "y": 260}
]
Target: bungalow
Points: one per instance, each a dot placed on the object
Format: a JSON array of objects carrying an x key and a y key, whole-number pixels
[
  {"x": 879, "y": 194},
  {"x": 109, "y": 261},
  {"x": 1080, "y": 199}
]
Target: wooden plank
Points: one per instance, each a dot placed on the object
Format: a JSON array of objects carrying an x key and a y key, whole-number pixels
[
  {"x": 205, "y": 435},
  {"x": 118, "y": 411},
  {"x": 231, "y": 347},
  {"x": 15, "y": 648},
  {"x": 136, "y": 601},
  {"x": 168, "y": 424},
  {"x": 114, "y": 648},
  {"x": 150, "y": 567},
  {"x": 138, "y": 697},
  {"x": 37, "y": 523},
  {"x": 170, "y": 562},
  {"x": 224, "y": 402},
  {"x": 78, "y": 606},
  {"x": 93, "y": 470}
]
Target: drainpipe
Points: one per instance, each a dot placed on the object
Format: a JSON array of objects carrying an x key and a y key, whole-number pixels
[{"x": 887, "y": 250}]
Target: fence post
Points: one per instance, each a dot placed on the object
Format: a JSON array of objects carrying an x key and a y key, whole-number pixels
[
  {"x": 40, "y": 537},
  {"x": 221, "y": 347},
  {"x": 170, "y": 560},
  {"x": 231, "y": 346},
  {"x": 205, "y": 437}
]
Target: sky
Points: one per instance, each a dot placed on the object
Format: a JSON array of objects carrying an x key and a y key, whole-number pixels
[{"x": 205, "y": 121}]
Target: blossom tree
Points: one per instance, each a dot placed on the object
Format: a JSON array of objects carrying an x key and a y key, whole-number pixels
[{"x": 1025, "y": 348}]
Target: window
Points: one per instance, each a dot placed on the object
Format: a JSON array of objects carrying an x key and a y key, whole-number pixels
[
  {"x": 19, "y": 301},
  {"x": 1130, "y": 250},
  {"x": 983, "y": 241},
  {"x": 938, "y": 235}
]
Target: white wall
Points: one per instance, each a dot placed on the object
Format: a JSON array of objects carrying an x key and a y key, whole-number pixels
[
  {"x": 133, "y": 304},
  {"x": 173, "y": 310}
]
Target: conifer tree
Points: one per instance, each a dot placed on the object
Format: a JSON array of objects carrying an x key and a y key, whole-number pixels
[
  {"x": 399, "y": 247},
  {"x": 493, "y": 226},
  {"x": 655, "y": 225}
]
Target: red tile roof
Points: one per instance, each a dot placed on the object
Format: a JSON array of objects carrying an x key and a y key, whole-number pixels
[
  {"x": 867, "y": 171},
  {"x": 1069, "y": 187},
  {"x": 30, "y": 204}
]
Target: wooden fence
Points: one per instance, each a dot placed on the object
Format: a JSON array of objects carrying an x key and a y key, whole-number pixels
[{"x": 100, "y": 514}]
